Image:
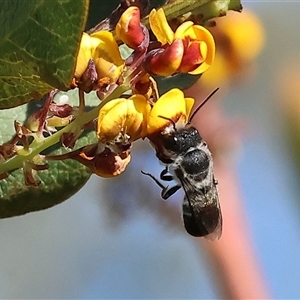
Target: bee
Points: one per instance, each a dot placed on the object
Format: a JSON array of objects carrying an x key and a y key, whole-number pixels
[{"x": 188, "y": 159}]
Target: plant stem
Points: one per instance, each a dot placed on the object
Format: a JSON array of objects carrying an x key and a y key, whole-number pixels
[{"x": 37, "y": 146}]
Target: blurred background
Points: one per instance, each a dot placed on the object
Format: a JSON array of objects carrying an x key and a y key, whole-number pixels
[{"x": 117, "y": 239}]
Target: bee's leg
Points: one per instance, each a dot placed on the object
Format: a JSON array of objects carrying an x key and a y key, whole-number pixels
[
  {"x": 166, "y": 192},
  {"x": 165, "y": 175}
]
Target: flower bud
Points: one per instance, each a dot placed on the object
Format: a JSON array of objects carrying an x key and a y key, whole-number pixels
[{"x": 129, "y": 29}]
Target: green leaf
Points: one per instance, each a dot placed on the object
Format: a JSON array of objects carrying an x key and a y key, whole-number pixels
[
  {"x": 38, "y": 48},
  {"x": 58, "y": 183}
]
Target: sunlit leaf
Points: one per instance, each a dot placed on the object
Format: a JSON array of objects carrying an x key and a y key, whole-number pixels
[{"x": 38, "y": 47}]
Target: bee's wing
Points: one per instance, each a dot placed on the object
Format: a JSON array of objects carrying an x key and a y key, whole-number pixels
[{"x": 201, "y": 210}]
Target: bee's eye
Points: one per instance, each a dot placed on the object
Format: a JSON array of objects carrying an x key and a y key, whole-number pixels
[
  {"x": 171, "y": 143},
  {"x": 178, "y": 142}
]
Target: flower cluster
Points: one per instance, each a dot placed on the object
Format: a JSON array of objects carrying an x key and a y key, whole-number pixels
[
  {"x": 190, "y": 49},
  {"x": 123, "y": 118}
]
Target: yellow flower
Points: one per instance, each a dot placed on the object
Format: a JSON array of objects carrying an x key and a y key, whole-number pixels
[
  {"x": 199, "y": 51},
  {"x": 123, "y": 116},
  {"x": 102, "y": 48},
  {"x": 191, "y": 49},
  {"x": 171, "y": 108}
]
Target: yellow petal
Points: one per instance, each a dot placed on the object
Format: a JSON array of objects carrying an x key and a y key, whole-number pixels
[
  {"x": 206, "y": 42},
  {"x": 182, "y": 29},
  {"x": 106, "y": 55},
  {"x": 169, "y": 108},
  {"x": 135, "y": 125},
  {"x": 160, "y": 27},
  {"x": 84, "y": 55},
  {"x": 108, "y": 125},
  {"x": 126, "y": 116},
  {"x": 189, "y": 105},
  {"x": 207, "y": 47}
]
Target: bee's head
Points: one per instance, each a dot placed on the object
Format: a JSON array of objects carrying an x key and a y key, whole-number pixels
[{"x": 181, "y": 140}]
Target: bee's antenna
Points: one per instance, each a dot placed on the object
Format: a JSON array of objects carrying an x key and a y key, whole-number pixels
[{"x": 202, "y": 103}]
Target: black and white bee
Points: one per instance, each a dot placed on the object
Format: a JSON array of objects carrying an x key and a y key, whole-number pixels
[{"x": 189, "y": 160}]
